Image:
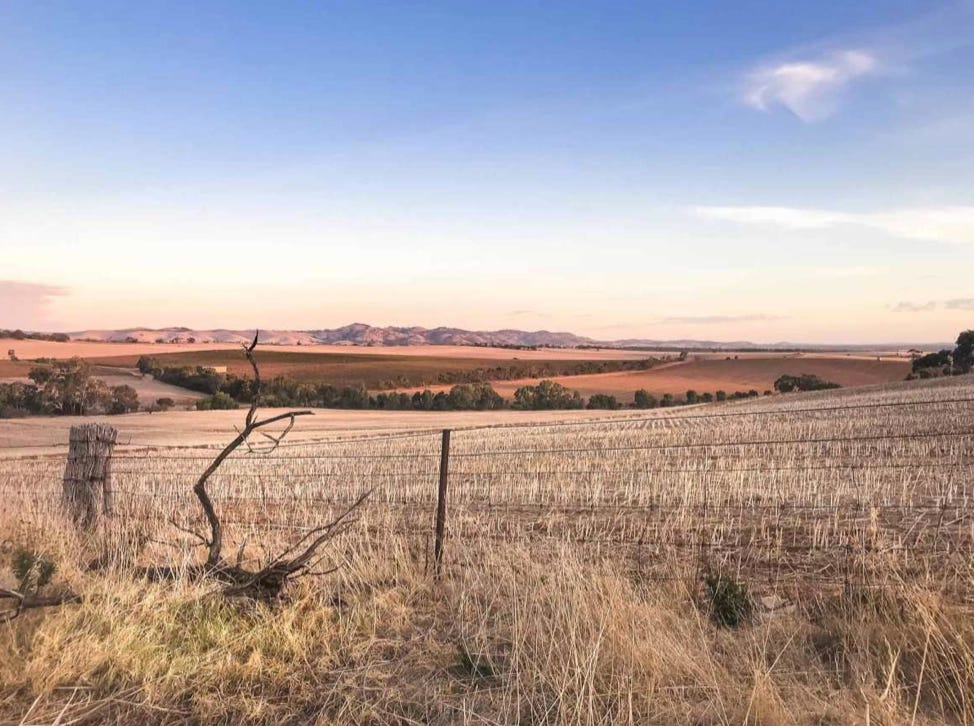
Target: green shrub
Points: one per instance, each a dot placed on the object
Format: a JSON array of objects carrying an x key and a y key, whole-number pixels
[
  {"x": 32, "y": 570},
  {"x": 729, "y": 599},
  {"x": 219, "y": 401},
  {"x": 602, "y": 400},
  {"x": 804, "y": 382},
  {"x": 643, "y": 399}
]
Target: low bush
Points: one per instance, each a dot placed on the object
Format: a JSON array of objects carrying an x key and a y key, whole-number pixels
[{"x": 728, "y": 599}]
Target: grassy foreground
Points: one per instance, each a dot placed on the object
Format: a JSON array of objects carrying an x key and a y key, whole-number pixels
[{"x": 501, "y": 639}]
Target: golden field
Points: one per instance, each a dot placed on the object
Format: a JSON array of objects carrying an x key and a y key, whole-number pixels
[{"x": 572, "y": 577}]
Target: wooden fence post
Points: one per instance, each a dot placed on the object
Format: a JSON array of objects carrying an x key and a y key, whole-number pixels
[
  {"x": 89, "y": 468},
  {"x": 441, "y": 502}
]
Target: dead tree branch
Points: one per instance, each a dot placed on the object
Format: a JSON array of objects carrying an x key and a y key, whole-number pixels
[
  {"x": 270, "y": 579},
  {"x": 265, "y": 583},
  {"x": 22, "y": 602}
]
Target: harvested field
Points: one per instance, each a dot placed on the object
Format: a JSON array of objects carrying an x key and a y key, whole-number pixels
[
  {"x": 666, "y": 479},
  {"x": 48, "y": 434},
  {"x": 846, "y": 514}
]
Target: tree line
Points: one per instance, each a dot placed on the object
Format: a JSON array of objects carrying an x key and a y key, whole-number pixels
[
  {"x": 23, "y": 335},
  {"x": 803, "y": 382},
  {"x": 205, "y": 380},
  {"x": 546, "y": 395}
]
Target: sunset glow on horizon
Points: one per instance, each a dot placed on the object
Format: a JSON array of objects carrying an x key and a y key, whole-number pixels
[{"x": 615, "y": 170}]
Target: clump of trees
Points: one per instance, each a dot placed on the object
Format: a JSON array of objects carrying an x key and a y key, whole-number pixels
[
  {"x": 602, "y": 400},
  {"x": 160, "y": 404},
  {"x": 22, "y": 335},
  {"x": 195, "y": 378},
  {"x": 125, "y": 399},
  {"x": 804, "y": 382},
  {"x": 644, "y": 399},
  {"x": 19, "y": 399},
  {"x": 547, "y": 395},
  {"x": 964, "y": 352},
  {"x": 219, "y": 401},
  {"x": 932, "y": 365},
  {"x": 65, "y": 388},
  {"x": 946, "y": 362}
]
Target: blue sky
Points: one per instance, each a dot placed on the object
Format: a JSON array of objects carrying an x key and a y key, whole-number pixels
[{"x": 712, "y": 170}]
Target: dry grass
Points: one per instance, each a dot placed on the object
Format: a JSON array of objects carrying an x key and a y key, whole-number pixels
[
  {"x": 49, "y": 435},
  {"x": 571, "y": 589}
]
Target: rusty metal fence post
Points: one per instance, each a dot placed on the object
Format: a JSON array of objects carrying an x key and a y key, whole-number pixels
[{"x": 441, "y": 502}]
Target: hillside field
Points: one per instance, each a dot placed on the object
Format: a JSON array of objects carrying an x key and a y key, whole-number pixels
[
  {"x": 27, "y": 349},
  {"x": 711, "y": 374}
]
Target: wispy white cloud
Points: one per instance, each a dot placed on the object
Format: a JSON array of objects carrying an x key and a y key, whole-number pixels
[
  {"x": 964, "y": 303},
  {"x": 944, "y": 224},
  {"x": 810, "y": 89},
  {"x": 960, "y": 303},
  {"x": 911, "y": 307}
]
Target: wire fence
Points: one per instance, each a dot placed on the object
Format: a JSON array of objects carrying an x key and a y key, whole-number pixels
[{"x": 879, "y": 493}]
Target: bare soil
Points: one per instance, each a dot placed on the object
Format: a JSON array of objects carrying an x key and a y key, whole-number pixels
[
  {"x": 711, "y": 374},
  {"x": 27, "y": 349}
]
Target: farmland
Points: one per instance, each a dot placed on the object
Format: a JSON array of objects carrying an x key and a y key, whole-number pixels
[
  {"x": 374, "y": 372},
  {"x": 714, "y": 373},
  {"x": 439, "y": 367},
  {"x": 569, "y": 541},
  {"x": 15, "y": 369},
  {"x": 28, "y": 349}
]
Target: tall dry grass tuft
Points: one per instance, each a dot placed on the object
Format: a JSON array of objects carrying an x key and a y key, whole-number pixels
[{"x": 507, "y": 640}]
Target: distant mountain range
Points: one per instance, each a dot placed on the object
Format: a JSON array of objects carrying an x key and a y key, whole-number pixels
[{"x": 364, "y": 335}]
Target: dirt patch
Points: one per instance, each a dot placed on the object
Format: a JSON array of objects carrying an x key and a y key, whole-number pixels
[{"x": 15, "y": 369}]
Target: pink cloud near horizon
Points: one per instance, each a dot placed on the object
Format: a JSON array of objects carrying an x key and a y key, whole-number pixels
[{"x": 25, "y": 304}]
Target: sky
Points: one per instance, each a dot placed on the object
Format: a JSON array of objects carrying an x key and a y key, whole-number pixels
[{"x": 724, "y": 171}]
